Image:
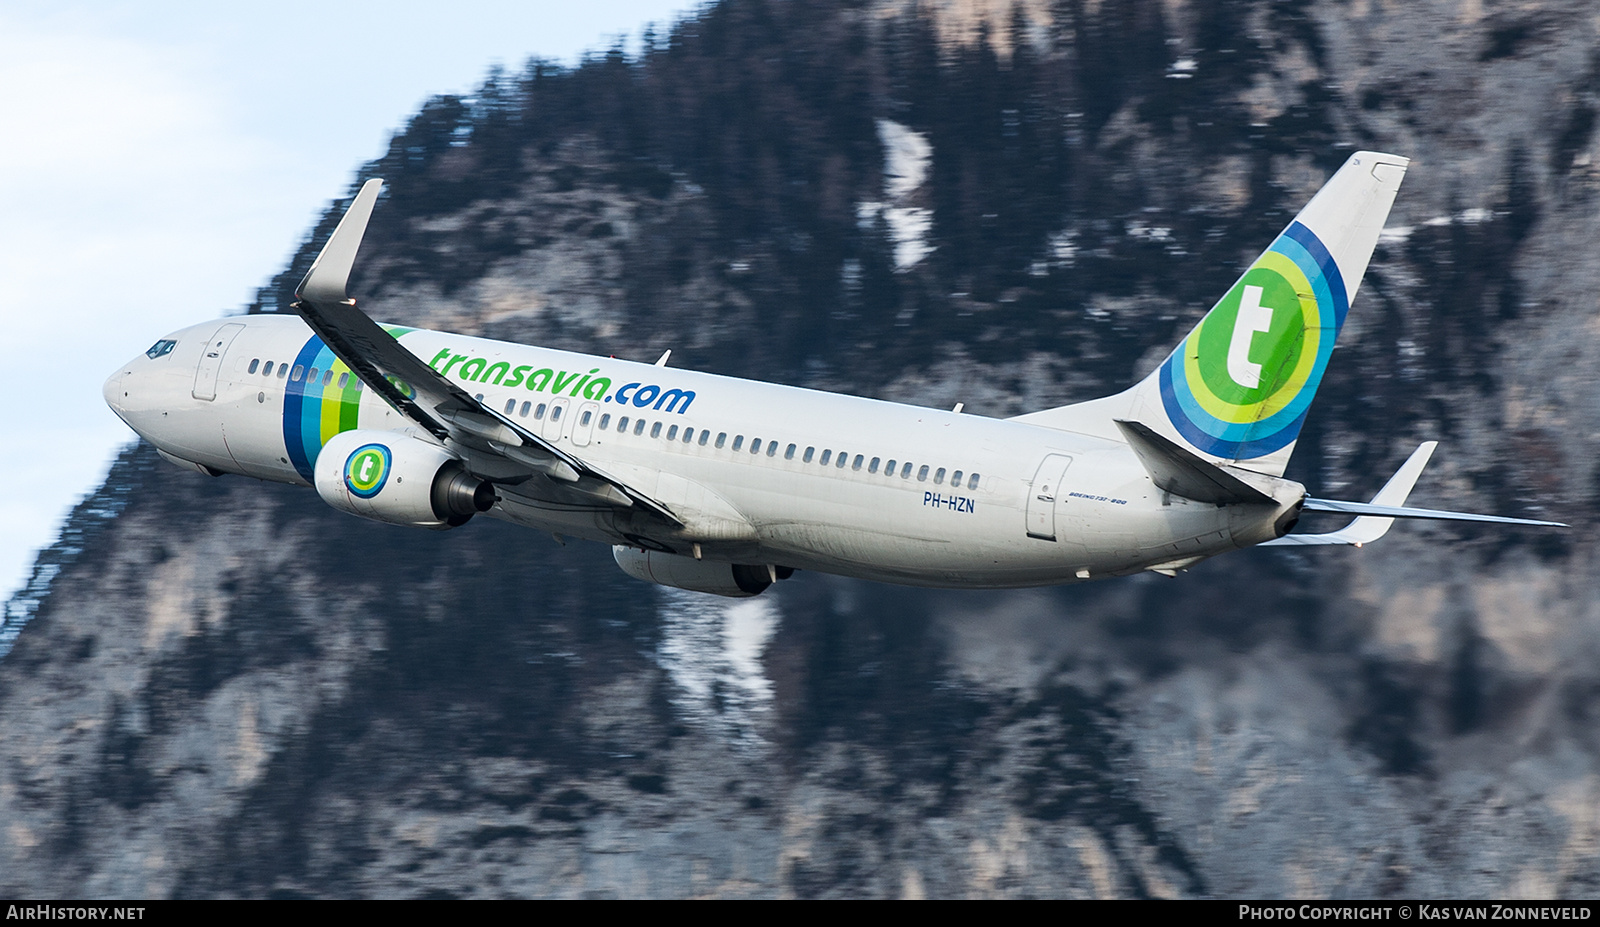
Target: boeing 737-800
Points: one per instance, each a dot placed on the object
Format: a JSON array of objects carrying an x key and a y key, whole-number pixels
[{"x": 723, "y": 485}]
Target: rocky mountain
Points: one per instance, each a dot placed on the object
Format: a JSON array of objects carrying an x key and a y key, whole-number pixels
[{"x": 225, "y": 688}]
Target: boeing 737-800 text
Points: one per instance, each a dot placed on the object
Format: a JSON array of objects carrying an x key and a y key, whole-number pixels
[{"x": 724, "y": 486}]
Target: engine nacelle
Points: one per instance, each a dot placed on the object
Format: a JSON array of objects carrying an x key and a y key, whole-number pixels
[
  {"x": 737, "y": 580},
  {"x": 395, "y": 478}
]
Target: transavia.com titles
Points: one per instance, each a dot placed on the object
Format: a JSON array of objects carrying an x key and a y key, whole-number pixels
[{"x": 1421, "y": 912}]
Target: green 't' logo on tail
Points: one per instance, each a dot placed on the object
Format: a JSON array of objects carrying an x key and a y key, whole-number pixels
[{"x": 1239, "y": 385}]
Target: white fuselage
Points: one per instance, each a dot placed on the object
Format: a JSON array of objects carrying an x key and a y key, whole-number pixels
[{"x": 769, "y": 474}]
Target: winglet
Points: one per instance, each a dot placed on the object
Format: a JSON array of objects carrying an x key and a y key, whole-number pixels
[{"x": 330, "y": 272}]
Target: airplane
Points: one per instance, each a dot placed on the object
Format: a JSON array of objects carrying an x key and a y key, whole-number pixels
[{"x": 725, "y": 486}]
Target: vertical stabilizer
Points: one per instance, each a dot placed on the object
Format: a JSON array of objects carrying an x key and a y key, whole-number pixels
[{"x": 1237, "y": 388}]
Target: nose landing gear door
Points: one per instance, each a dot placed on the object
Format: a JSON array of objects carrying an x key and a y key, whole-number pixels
[
  {"x": 1043, "y": 496},
  {"x": 205, "y": 374}
]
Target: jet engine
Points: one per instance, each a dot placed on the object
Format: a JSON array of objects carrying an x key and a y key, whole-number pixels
[
  {"x": 394, "y": 478},
  {"x": 736, "y": 580}
]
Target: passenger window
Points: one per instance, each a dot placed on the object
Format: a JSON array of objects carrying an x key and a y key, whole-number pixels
[
  {"x": 638, "y": 426},
  {"x": 605, "y": 421},
  {"x": 312, "y": 376},
  {"x": 938, "y": 477},
  {"x": 511, "y": 406},
  {"x": 344, "y": 380},
  {"x": 299, "y": 370},
  {"x": 972, "y": 481},
  {"x": 755, "y": 445},
  {"x": 955, "y": 479},
  {"x": 738, "y": 441},
  {"x": 922, "y": 474},
  {"x": 253, "y": 365},
  {"x": 721, "y": 437},
  {"x": 826, "y": 456},
  {"x": 889, "y": 470},
  {"x": 360, "y": 386},
  {"x": 806, "y": 457},
  {"x": 704, "y": 436},
  {"x": 283, "y": 370},
  {"x": 538, "y": 411},
  {"x": 655, "y": 430},
  {"x": 857, "y": 464},
  {"x": 478, "y": 397},
  {"x": 688, "y": 435},
  {"x": 622, "y": 425},
  {"x": 672, "y": 433},
  {"x": 587, "y": 417},
  {"x": 873, "y": 466},
  {"x": 905, "y": 471},
  {"x": 525, "y": 407},
  {"x": 267, "y": 370},
  {"x": 788, "y": 452},
  {"x": 844, "y": 458},
  {"x": 555, "y": 413}
]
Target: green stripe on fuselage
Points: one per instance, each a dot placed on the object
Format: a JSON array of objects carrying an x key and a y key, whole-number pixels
[{"x": 340, "y": 406}]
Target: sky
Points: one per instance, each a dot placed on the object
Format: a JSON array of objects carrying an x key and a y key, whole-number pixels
[{"x": 159, "y": 161}]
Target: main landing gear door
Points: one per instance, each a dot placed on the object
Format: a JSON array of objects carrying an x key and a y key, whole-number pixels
[{"x": 1043, "y": 495}]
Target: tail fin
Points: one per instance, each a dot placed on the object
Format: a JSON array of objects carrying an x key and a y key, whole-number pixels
[{"x": 1237, "y": 388}]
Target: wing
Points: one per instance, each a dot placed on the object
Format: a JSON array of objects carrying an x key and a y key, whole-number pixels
[
  {"x": 1376, "y": 516},
  {"x": 491, "y": 445}
]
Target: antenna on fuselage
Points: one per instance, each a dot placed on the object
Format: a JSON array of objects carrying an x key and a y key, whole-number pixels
[
  {"x": 662, "y": 360},
  {"x": 959, "y": 407}
]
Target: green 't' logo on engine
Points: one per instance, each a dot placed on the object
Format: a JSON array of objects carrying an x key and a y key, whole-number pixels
[{"x": 366, "y": 470}]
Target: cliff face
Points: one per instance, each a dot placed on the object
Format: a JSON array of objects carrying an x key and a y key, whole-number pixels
[{"x": 226, "y": 688}]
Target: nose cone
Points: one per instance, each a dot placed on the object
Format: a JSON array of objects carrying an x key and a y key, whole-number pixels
[{"x": 115, "y": 393}]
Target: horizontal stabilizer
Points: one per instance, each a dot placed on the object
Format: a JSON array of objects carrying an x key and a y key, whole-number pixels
[
  {"x": 1377, "y": 516},
  {"x": 1369, "y": 528},
  {"x": 1185, "y": 474},
  {"x": 1400, "y": 511}
]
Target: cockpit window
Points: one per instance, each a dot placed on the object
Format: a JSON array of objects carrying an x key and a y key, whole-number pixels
[{"x": 161, "y": 348}]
